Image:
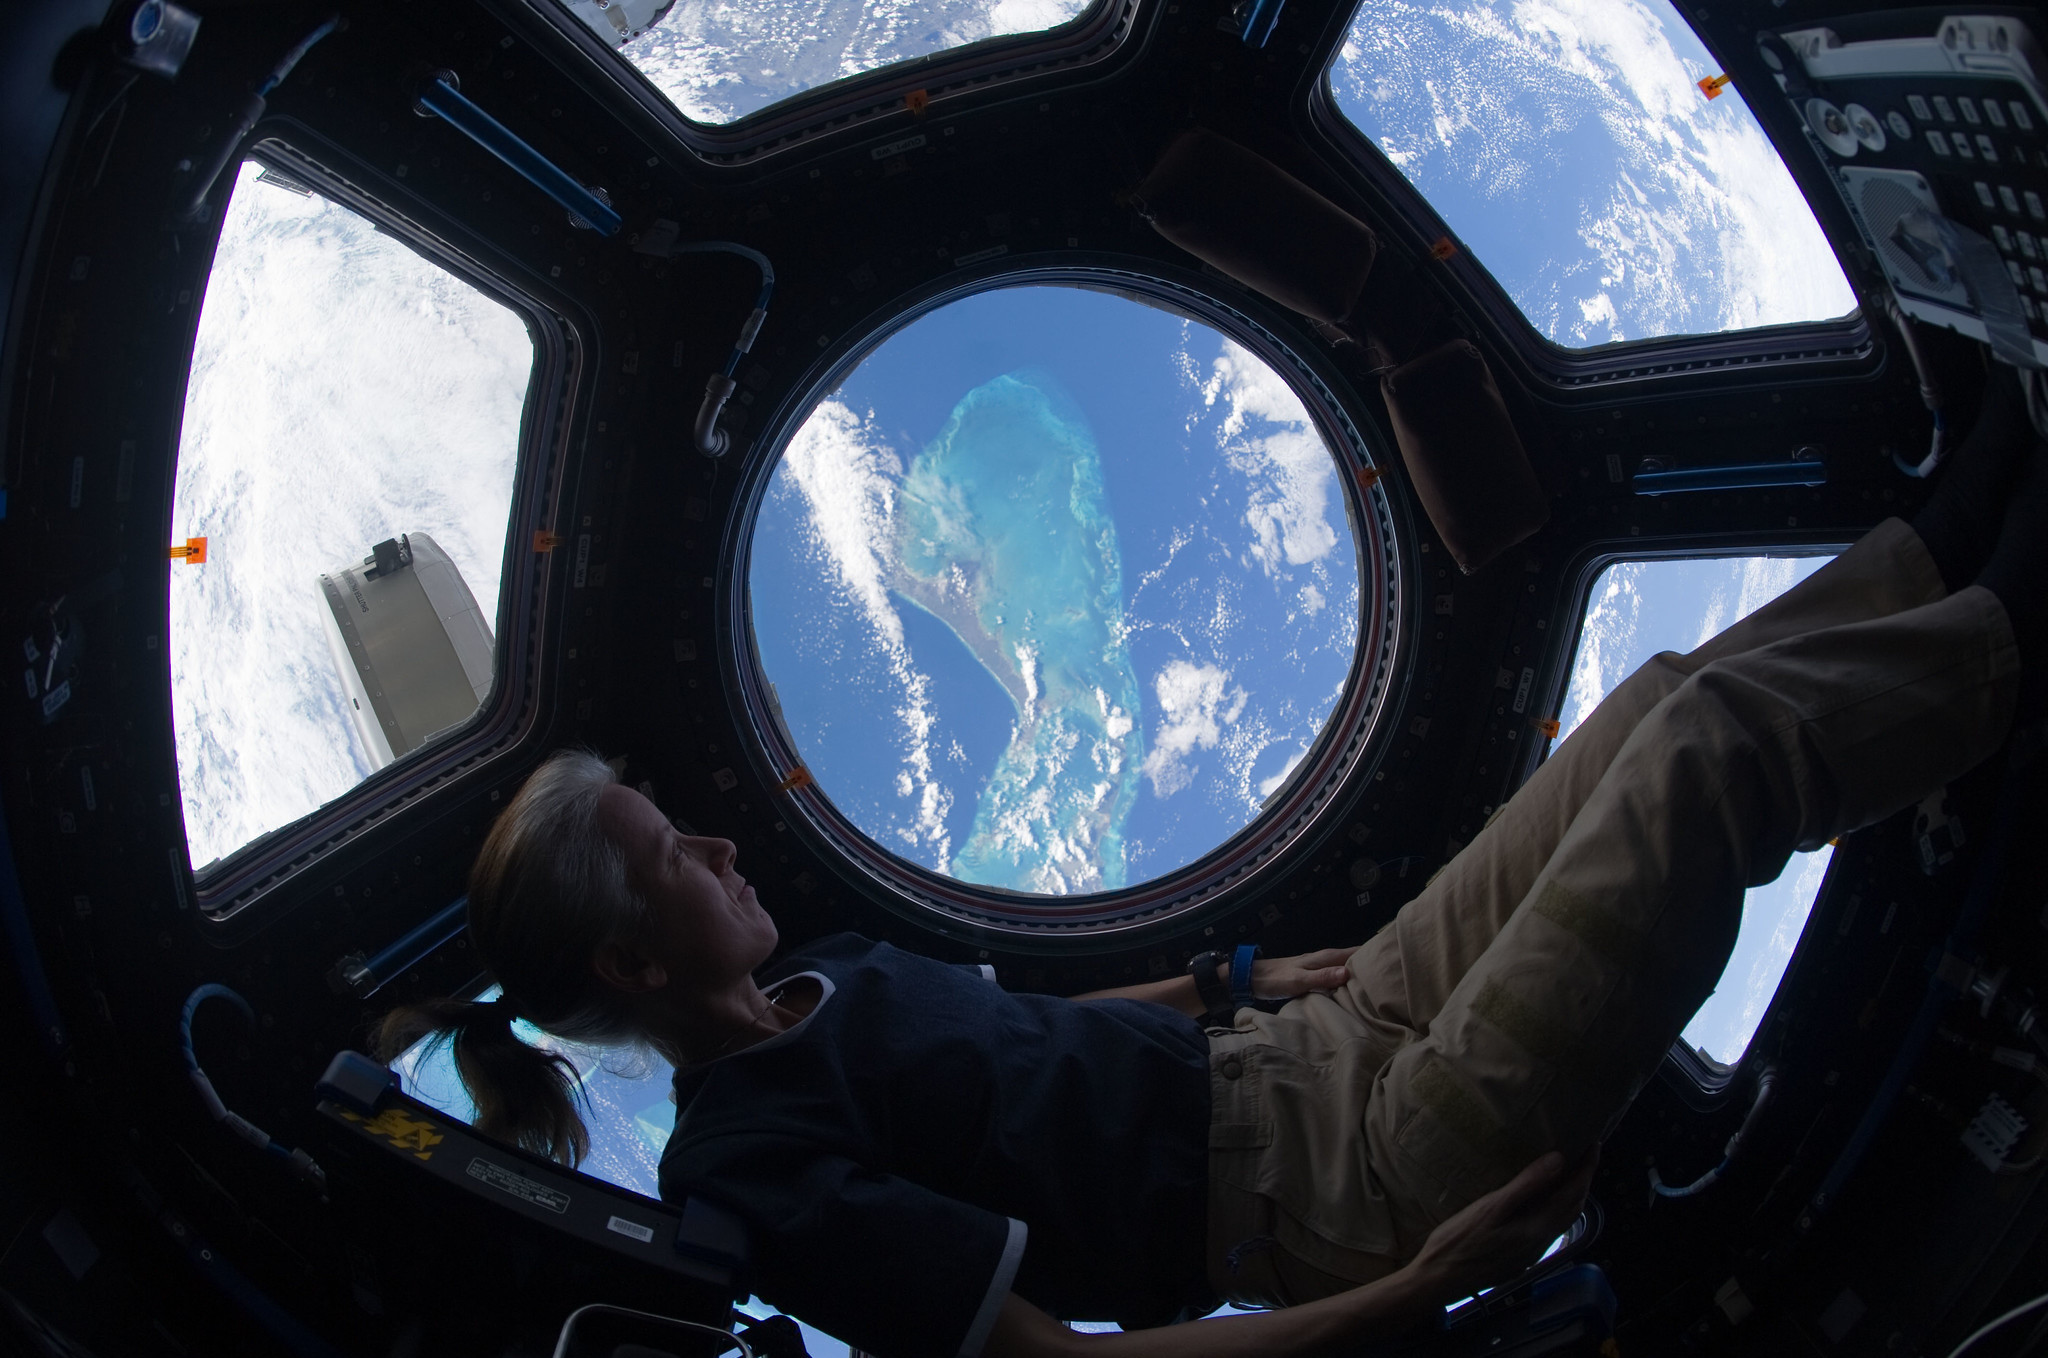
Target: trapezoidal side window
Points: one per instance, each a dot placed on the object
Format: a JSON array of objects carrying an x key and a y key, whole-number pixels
[
  {"x": 344, "y": 483},
  {"x": 718, "y": 62},
  {"x": 1571, "y": 150},
  {"x": 1060, "y": 601},
  {"x": 1635, "y": 610}
]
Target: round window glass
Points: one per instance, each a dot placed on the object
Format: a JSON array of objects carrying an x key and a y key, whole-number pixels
[{"x": 1056, "y": 592}]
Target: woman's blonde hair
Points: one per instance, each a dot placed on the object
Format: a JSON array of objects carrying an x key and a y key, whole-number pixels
[{"x": 549, "y": 888}]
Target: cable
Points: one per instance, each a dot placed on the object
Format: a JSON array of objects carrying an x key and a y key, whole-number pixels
[
  {"x": 1766, "y": 1085},
  {"x": 2015, "y": 1313},
  {"x": 726, "y": 247},
  {"x": 301, "y": 1163},
  {"x": 1930, "y": 393},
  {"x": 291, "y": 58},
  {"x": 193, "y": 205},
  {"x": 711, "y": 440},
  {"x": 120, "y": 93}
]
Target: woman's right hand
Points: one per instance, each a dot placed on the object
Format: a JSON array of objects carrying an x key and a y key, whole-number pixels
[
  {"x": 1502, "y": 1233},
  {"x": 1284, "y": 978}
]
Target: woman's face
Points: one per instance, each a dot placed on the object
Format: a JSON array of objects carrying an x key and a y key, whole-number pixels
[{"x": 705, "y": 928}]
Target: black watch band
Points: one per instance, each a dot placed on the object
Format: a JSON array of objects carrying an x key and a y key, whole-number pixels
[{"x": 1206, "y": 968}]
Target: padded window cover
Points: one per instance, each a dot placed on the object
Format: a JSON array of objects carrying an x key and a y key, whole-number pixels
[
  {"x": 1464, "y": 458},
  {"x": 1260, "y": 225},
  {"x": 1263, "y": 227}
]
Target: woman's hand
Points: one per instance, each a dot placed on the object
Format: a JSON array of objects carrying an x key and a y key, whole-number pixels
[
  {"x": 1283, "y": 978},
  {"x": 1504, "y": 1232},
  {"x": 1273, "y": 978}
]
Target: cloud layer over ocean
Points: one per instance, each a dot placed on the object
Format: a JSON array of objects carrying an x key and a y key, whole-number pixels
[{"x": 1565, "y": 143}]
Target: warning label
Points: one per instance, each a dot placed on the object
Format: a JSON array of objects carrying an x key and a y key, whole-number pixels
[{"x": 518, "y": 1185}]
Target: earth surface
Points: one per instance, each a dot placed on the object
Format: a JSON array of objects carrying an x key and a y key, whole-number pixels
[
  {"x": 1055, "y": 590},
  {"x": 719, "y": 60},
  {"x": 1567, "y": 148}
]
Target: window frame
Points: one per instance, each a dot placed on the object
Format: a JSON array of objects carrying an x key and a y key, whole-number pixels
[
  {"x": 857, "y": 106},
  {"x": 1352, "y": 739},
  {"x": 230, "y": 885},
  {"x": 1701, "y": 1082},
  {"x": 1806, "y": 350}
]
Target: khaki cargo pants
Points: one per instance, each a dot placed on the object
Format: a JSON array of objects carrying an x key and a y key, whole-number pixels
[{"x": 1520, "y": 1002}]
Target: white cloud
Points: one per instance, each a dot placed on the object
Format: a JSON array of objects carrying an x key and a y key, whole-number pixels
[
  {"x": 1606, "y": 642},
  {"x": 848, "y": 481},
  {"x": 719, "y": 60},
  {"x": 1268, "y": 786},
  {"x": 1027, "y": 670},
  {"x": 1031, "y": 16},
  {"x": 1599, "y": 317},
  {"x": 1195, "y": 703},
  {"x": 1285, "y": 462},
  {"x": 847, "y": 476},
  {"x": 1115, "y": 721}
]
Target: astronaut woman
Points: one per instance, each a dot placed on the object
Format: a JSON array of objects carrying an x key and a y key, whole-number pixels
[{"x": 930, "y": 1166}]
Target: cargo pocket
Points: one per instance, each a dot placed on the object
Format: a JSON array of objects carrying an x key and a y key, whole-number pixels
[
  {"x": 1449, "y": 1151},
  {"x": 1317, "y": 1171},
  {"x": 1240, "y": 1128}
]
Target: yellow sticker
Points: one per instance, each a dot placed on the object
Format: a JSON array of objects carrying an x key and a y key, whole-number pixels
[{"x": 401, "y": 1129}]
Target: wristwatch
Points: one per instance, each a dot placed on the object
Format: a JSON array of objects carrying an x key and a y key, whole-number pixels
[
  {"x": 1221, "y": 1001},
  {"x": 1218, "y": 1010}
]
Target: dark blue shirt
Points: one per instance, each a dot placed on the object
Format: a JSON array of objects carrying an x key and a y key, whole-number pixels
[{"x": 924, "y": 1142}]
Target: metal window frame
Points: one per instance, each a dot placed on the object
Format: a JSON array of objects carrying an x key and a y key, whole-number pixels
[
  {"x": 854, "y": 107},
  {"x": 1814, "y": 349},
  {"x": 1699, "y": 1080},
  {"x": 1348, "y": 748},
  {"x": 230, "y": 885}
]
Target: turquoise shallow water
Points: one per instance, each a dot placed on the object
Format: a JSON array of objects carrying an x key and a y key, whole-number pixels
[{"x": 1005, "y": 533}]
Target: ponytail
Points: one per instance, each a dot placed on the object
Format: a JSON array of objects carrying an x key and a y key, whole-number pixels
[
  {"x": 548, "y": 890},
  {"x": 524, "y": 1094}
]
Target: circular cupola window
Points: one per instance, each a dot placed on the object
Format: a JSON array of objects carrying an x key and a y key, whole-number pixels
[{"x": 1059, "y": 596}]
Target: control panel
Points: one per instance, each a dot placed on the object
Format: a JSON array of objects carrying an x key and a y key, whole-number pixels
[{"x": 1938, "y": 139}]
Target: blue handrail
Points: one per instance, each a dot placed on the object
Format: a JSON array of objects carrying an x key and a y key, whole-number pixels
[
  {"x": 352, "y": 975},
  {"x": 1743, "y": 476},
  {"x": 439, "y": 927},
  {"x": 585, "y": 207}
]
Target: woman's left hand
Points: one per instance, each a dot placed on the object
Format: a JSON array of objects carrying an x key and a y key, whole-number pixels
[{"x": 1283, "y": 978}]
